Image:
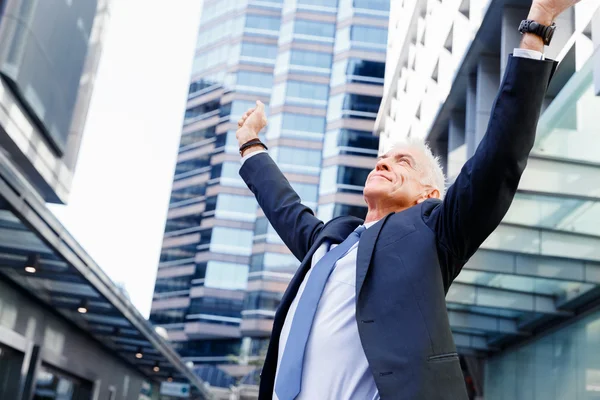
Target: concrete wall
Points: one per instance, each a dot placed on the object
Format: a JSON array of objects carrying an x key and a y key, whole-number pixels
[{"x": 24, "y": 320}]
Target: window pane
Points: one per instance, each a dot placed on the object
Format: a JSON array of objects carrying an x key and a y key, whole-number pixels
[
  {"x": 292, "y": 159},
  {"x": 10, "y": 371},
  {"x": 254, "y": 82},
  {"x": 258, "y": 52},
  {"x": 52, "y": 384},
  {"x": 310, "y": 59},
  {"x": 231, "y": 241},
  {"x": 236, "y": 207},
  {"x": 353, "y": 106},
  {"x": 222, "y": 275},
  {"x": 348, "y": 141},
  {"x": 263, "y": 22},
  {"x": 314, "y": 28},
  {"x": 305, "y": 90},
  {"x": 368, "y": 34}
]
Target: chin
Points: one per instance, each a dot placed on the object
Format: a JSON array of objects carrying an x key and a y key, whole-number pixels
[{"x": 373, "y": 189}]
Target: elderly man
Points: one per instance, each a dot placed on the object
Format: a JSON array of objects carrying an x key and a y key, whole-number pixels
[{"x": 365, "y": 316}]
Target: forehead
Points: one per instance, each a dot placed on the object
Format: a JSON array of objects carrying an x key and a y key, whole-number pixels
[{"x": 404, "y": 151}]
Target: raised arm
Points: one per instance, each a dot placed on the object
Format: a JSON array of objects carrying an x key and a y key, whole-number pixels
[
  {"x": 483, "y": 191},
  {"x": 294, "y": 222}
]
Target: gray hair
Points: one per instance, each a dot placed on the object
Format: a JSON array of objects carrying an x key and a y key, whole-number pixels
[{"x": 433, "y": 174}]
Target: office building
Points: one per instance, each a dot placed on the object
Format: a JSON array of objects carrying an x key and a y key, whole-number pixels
[
  {"x": 524, "y": 311},
  {"x": 66, "y": 331},
  {"x": 319, "y": 66}
]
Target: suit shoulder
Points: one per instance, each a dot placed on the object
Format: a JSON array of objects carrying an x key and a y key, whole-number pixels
[{"x": 428, "y": 206}]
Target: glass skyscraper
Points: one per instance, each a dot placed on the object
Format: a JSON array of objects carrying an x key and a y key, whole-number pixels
[{"x": 319, "y": 66}]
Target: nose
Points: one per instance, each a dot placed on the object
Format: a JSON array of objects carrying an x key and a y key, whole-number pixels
[{"x": 383, "y": 165}]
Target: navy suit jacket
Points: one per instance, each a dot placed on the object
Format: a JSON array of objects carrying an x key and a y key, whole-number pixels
[{"x": 407, "y": 261}]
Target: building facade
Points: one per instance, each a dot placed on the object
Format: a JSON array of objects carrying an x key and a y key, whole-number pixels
[
  {"x": 319, "y": 67},
  {"x": 66, "y": 331},
  {"x": 524, "y": 311}
]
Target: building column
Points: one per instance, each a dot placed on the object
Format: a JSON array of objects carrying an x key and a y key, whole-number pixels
[
  {"x": 488, "y": 81},
  {"x": 510, "y": 37},
  {"x": 471, "y": 115},
  {"x": 596, "y": 42}
]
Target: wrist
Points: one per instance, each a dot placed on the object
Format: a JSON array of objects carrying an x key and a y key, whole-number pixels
[
  {"x": 541, "y": 15},
  {"x": 244, "y": 135},
  {"x": 252, "y": 149}
]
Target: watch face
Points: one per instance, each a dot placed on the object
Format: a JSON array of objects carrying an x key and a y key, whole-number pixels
[{"x": 549, "y": 34}]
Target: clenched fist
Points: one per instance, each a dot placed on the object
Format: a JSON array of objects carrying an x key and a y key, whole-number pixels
[{"x": 251, "y": 123}]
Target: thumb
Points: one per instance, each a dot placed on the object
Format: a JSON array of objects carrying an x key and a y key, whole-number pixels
[{"x": 260, "y": 105}]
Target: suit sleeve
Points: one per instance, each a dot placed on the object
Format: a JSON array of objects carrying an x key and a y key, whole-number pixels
[
  {"x": 483, "y": 191},
  {"x": 294, "y": 222}
]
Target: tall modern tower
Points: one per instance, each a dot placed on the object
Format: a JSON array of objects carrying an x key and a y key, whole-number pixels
[{"x": 319, "y": 66}]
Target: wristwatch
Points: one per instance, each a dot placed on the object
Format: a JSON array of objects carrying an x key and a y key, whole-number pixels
[{"x": 543, "y": 31}]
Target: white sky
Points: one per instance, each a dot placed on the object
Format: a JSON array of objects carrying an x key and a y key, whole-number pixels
[{"x": 118, "y": 204}]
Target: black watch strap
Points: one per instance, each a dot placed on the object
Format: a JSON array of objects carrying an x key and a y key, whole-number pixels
[
  {"x": 544, "y": 31},
  {"x": 251, "y": 143}
]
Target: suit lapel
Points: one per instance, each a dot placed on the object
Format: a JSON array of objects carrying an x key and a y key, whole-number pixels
[{"x": 365, "y": 252}]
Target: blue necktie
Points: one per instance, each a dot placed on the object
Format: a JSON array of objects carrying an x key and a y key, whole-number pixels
[{"x": 289, "y": 375}]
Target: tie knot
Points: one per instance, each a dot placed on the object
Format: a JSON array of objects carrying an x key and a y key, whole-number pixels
[{"x": 359, "y": 231}]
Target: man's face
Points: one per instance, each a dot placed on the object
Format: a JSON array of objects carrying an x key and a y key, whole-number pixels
[{"x": 396, "y": 179}]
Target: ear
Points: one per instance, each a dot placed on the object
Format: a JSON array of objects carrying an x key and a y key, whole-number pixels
[{"x": 432, "y": 194}]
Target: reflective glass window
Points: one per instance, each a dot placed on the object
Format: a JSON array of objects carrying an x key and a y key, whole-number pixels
[
  {"x": 329, "y": 211},
  {"x": 356, "y": 70},
  {"x": 231, "y": 241},
  {"x": 206, "y": 84},
  {"x": 208, "y": 348},
  {"x": 211, "y": 58},
  {"x": 216, "y": 306},
  {"x": 197, "y": 136},
  {"x": 192, "y": 164},
  {"x": 172, "y": 284},
  {"x": 178, "y": 253},
  {"x": 214, "y": 33},
  {"x": 258, "y": 53},
  {"x": 275, "y": 262},
  {"x": 307, "y": 127},
  {"x": 305, "y": 92},
  {"x": 223, "y": 275},
  {"x": 348, "y": 105},
  {"x": 343, "y": 179},
  {"x": 560, "y": 365},
  {"x": 261, "y": 300},
  {"x": 349, "y": 141},
  {"x": 553, "y": 212},
  {"x": 176, "y": 224},
  {"x": 10, "y": 371},
  {"x": 368, "y": 38},
  {"x": 254, "y": 82},
  {"x": 368, "y": 34},
  {"x": 228, "y": 174},
  {"x": 263, "y": 22},
  {"x": 201, "y": 111},
  {"x": 293, "y": 159},
  {"x": 380, "y": 5},
  {"x": 308, "y": 193},
  {"x": 53, "y": 384},
  {"x": 305, "y": 58},
  {"x": 163, "y": 317},
  {"x": 230, "y": 206},
  {"x": 314, "y": 28},
  {"x": 321, "y": 3},
  {"x": 188, "y": 192},
  {"x": 568, "y": 128}
]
